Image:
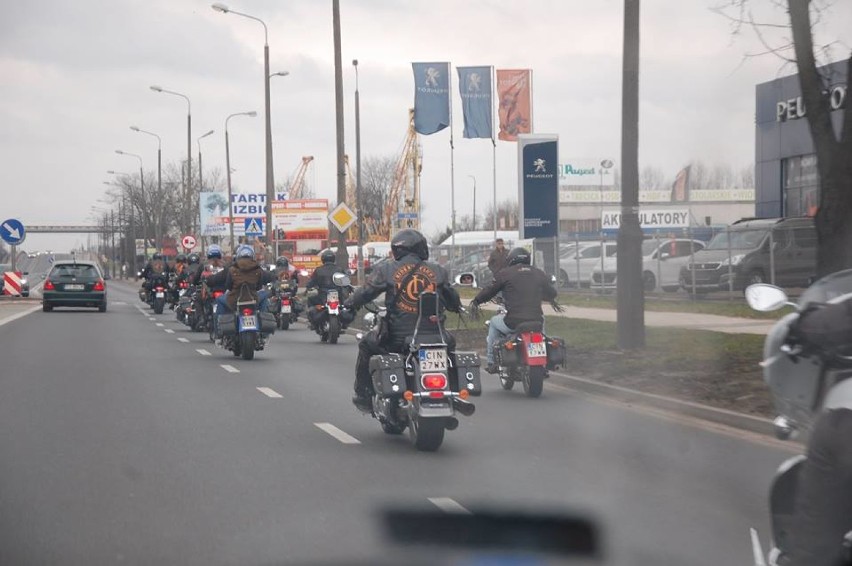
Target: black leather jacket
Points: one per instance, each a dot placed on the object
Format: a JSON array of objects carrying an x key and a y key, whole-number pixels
[
  {"x": 402, "y": 281},
  {"x": 524, "y": 288},
  {"x": 321, "y": 278}
]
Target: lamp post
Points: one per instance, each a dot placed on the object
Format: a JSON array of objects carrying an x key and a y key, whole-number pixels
[
  {"x": 159, "y": 178},
  {"x": 132, "y": 246},
  {"x": 200, "y": 175},
  {"x": 270, "y": 180},
  {"x": 142, "y": 196},
  {"x": 252, "y": 114},
  {"x": 358, "y": 203},
  {"x": 474, "y": 201},
  {"x": 188, "y": 185}
]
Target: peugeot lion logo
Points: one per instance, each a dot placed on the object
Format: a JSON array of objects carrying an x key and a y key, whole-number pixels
[
  {"x": 539, "y": 166},
  {"x": 432, "y": 75},
  {"x": 474, "y": 82}
]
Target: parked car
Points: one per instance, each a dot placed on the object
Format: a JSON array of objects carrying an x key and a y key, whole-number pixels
[
  {"x": 662, "y": 261},
  {"x": 72, "y": 283},
  {"x": 576, "y": 262},
  {"x": 778, "y": 250},
  {"x": 475, "y": 263}
]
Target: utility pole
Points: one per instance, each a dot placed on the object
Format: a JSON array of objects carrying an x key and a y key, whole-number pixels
[
  {"x": 630, "y": 292},
  {"x": 342, "y": 252},
  {"x": 358, "y": 199}
]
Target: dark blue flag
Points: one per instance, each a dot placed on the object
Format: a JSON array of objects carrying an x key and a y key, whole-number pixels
[
  {"x": 475, "y": 90},
  {"x": 431, "y": 97}
]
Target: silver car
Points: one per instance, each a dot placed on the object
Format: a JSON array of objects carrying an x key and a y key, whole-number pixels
[{"x": 661, "y": 263}]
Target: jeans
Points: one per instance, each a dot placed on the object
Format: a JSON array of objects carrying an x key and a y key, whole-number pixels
[
  {"x": 223, "y": 308},
  {"x": 496, "y": 330}
]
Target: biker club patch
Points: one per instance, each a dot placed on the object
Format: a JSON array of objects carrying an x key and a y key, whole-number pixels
[{"x": 408, "y": 287}]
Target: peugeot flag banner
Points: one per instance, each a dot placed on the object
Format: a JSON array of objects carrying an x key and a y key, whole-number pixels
[
  {"x": 538, "y": 186},
  {"x": 515, "y": 97},
  {"x": 475, "y": 91},
  {"x": 431, "y": 97}
]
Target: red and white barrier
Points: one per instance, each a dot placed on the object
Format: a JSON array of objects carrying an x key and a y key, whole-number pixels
[{"x": 12, "y": 283}]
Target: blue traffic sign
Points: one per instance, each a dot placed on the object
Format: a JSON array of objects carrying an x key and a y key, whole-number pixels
[
  {"x": 12, "y": 231},
  {"x": 407, "y": 215},
  {"x": 254, "y": 226}
]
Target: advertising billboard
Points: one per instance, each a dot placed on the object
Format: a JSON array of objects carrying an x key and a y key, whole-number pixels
[{"x": 538, "y": 185}]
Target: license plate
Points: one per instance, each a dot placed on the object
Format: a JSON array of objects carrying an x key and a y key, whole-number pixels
[
  {"x": 74, "y": 287},
  {"x": 160, "y": 295},
  {"x": 331, "y": 296},
  {"x": 432, "y": 359},
  {"x": 536, "y": 350},
  {"x": 248, "y": 322},
  {"x": 286, "y": 309},
  {"x": 215, "y": 308}
]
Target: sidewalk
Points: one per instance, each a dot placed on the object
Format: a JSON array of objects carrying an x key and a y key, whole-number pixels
[{"x": 692, "y": 321}]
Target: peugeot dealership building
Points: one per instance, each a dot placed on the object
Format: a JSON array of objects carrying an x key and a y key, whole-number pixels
[{"x": 786, "y": 178}]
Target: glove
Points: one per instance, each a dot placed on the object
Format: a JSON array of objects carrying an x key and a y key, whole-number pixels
[
  {"x": 349, "y": 304},
  {"x": 473, "y": 307},
  {"x": 556, "y": 306}
]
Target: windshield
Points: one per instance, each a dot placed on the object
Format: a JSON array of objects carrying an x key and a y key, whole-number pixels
[{"x": 737, "y": 239}]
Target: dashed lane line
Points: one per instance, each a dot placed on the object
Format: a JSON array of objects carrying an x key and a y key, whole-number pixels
[
  {"x": 229, "y": 368},
  {"x": 169, "y": 331},
  {"x": 184, "y": 340},
  {"x": 448, "y": 505},
  {"x": 337, "y": 433},
  {"x": 271, "y": 393},
  {"x": 160, "y": 324},
  {"x": 203, "y": 352}
]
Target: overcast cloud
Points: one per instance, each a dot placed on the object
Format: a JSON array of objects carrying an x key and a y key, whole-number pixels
[{"x": 76, "y": 76}]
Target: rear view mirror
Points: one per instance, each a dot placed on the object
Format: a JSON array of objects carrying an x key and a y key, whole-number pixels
[
  {"x": 763, "y": 297},
  {"x": 665, "y": 255},
  {"x": 341, "y": 279},
  {"x": 466, "y": 279}
]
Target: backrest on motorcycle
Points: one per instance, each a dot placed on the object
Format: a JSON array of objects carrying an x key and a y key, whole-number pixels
[
  {"x": 430, "y": 304},
  {"x": 245, "y": 295}
]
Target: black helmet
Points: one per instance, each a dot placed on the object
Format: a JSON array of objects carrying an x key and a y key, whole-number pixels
[
  {"x": 409, "y": 241},
  {"x": 518, "y": 255},
  {"x": 282, "y": 262},
  {"x": 193, "y": 259},
  {"x": 328, "y": 256},
  {"x": 157, "y": 256},
  {"x": 180, "y": 258}
]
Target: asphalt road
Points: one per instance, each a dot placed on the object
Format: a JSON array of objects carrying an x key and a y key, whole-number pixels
[{"x": 127, "y": 439}]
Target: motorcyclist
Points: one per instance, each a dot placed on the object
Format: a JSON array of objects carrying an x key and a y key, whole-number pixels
[
  {"x": 320, "y": 281},
  {"x": 285, "y": 272},
  {"x": 823, "y": 508},
  {"x": 193, "y": 266},
  {"x": 156, "y": 266},
  {"x": 524, "y": 287},
  {"x": 180, "y": 266},
  {"x": 245, "y": 270},
  {"x": 214, "y": 265},
  {"x": 402, "y": 281}
]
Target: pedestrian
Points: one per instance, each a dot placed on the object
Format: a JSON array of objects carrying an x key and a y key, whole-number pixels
[{"x": 498, "y": 258}]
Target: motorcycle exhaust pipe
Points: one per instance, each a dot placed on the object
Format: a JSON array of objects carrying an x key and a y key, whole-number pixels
[{"x": 464, "y": 407}]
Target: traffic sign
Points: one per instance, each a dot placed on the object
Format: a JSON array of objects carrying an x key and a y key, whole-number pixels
[
  {"x": 12, "y": 231},
  {"x": 188, "y": 242},
  {"x": 407, "y": 216},
  {"x": 254, "y": 226},
  {"x": 342, "y": 217}
]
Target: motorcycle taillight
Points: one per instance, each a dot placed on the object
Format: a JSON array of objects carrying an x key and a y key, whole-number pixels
[
  {"x": 217, "y": 294},
  {"x": 434, "y": 381},
  {"x": 286, "y": 301},
  {"x": 248, "y": 312},
  {"x": 333, "y": 304},
  {"x": 536, "y": 337}
]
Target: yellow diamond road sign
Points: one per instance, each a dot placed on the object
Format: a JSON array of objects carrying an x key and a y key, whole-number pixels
[{"x": 342, "y": 217}]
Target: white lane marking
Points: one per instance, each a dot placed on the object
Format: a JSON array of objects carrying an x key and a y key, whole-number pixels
[
  {"x": 337, "y": 433},
  {"x": 151, "y": 318},
  {"x": 448, "y": 505},
  {"x": 184, "y": 340},
  {"x": 271, "y": 393},
  {"x": 229, "y": 369},
  {"x": 203, "y": 352},
  {"x": 159, "y": 323},
  {"x": 119, "y": 303},
  {"x": 169, "y": 330},
  {"x": 19, "y": 315}
]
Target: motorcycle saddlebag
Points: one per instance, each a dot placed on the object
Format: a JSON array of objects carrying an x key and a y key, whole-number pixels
[
  {"x": 388, "y": 373},
  {"x": 507, "y": 356},
  {"x": 467, "y": 367},
  {"x": 267, "y": 323},
  {"x": 555, "y": 353},
  {"x": 227, "y": 324}
]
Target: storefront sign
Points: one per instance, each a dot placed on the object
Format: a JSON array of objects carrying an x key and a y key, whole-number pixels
[
  {"x": 662, "y": 218},
  {"x": 794, "y": 108}
]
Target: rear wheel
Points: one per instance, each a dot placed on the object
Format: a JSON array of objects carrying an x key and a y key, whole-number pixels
[
  {"x": 102, "y": 307},
  {"x": 533, "y": 380},
  {"x": 158, "y": 305},
  {"x": 247, "y": 345},
  {"x": 46, "y": 307},
  {"x": 649, "y": 281},
  {"x": 284, "y": 322},
  {"x": 333, "y": 329},
  {"x": 426, "y": 434}
]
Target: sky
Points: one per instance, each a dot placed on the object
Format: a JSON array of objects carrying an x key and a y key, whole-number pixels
[{"x": 76, "y": 76}]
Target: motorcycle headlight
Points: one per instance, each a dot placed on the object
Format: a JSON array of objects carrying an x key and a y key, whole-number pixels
[{"x": 733, "y": 260}]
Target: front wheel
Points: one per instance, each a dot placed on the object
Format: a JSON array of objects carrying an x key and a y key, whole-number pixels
[
  {"x": 284, "y": 322},
  {"x": 247, "y": 345},
  {"x": 158, "y": 305},
  {"x": 533, "y": 380},
  {"x": 333, "y": 329},
  {"x": 427, "y": 435}
]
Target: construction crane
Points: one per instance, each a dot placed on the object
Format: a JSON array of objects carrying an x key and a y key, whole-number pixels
[
  {"x": 402, "y": 208},
  {"x": 297, "y": 187}
]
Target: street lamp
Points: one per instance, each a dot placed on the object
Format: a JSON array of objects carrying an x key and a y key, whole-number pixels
[
  {"x": 159, "y": 170},
  {"x": 188, "y": 189},
  {"x": 142, "y": 196},
  {"x": 279, "y": 74},
  {"x": 251, "y": 114},
  {"x": 200, "y": 176},
  {"x": 270, "y": 180},
  {"x": 131, "y": 245},
  {"x": 474, "y": 201},
  {"x": 358, "y": 204}
]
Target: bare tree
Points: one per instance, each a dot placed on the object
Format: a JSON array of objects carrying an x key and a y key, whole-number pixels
[
  {"x": 377, "y": 178},
  {"x": 507, "y": 215},
  {"x": 834, "y": 231},
  {"x": 651, "y": 179}
]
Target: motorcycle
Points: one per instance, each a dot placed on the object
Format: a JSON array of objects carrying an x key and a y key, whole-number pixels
[
  {"x": 157, "y": 295},
  {"x": 527, "y": 355},
  {"x": 209, "y": 310},
  {"x": 421, "y": 389},
  {"x": 804, "y": 384},
  {"x": 283, "y": 304},
  {"x": 328, "y": 320},
  {"x": 248, "y": 330}
]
